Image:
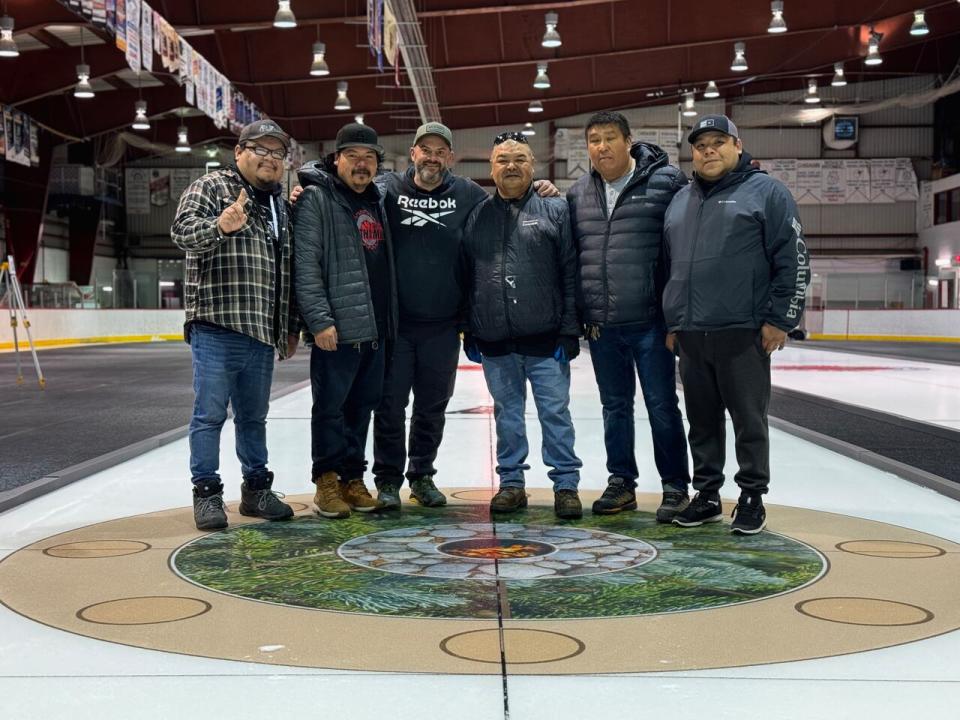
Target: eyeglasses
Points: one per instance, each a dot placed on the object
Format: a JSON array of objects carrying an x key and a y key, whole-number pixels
[
  {"x": 261, "y": 151},
  {"x": 515, "y": 136}
]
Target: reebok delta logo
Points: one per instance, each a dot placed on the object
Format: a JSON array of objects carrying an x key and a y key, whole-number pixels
[{"x": 416, "y": 208}]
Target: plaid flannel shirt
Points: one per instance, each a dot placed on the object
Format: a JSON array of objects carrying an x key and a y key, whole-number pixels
[{"x": 231, "y": 280}]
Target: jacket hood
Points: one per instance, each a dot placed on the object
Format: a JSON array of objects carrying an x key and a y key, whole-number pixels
[
  {"x": 741, "y": 172},
  {"x": 445, "y": 182},
  {"x": 647, "y": 155}
]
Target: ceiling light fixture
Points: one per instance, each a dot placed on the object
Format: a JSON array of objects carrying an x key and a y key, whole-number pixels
[
  {"x": 83, "y": 88},
  {"x": 711, "y": 90},
  {"x": 284, "y": 17},
  {"x": 689, "y": 105},
  {"x": 319, "y": 67},
  {"x": 542, "y": 81},
  {"x": 342, "y": 102},
  {"x": 528, "y": 130},
  {"x": 535, "y": 106},
  {"x": 183, "y": 144},
  {"x": 873, "y": 48},
  {"x": 777, "y": 23},
  {"x": 140, "y": 120},
  {"x": 739, "y": 63},
  {"x": 551, "y": 38},
  {"x": 919, "y": 26},
  {"x": 812, "y": 95},
  {"x": 8, "y": 46},
  {"x": 839, "y": 79}
]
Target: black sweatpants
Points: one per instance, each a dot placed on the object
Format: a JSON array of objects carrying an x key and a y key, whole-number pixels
[
  {"x": 423, "y": 359},
  {"x": 727, "y": 370}
]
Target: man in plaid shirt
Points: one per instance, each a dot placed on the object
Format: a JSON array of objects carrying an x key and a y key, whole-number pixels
[{"x": 234, "y": 225}]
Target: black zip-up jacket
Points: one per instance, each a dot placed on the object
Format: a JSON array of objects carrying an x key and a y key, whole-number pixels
[
  {"x": 520, "y": 266},
  {"x": 736, "y": 254},
  {"x": 621, "y": 275},
  {"x": 426, "y": 228},
  {"x": 330, "y": 270}
]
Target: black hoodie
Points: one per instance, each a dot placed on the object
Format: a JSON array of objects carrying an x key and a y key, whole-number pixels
[
  {"x": 620, "y": 270},
  {"x": 736, "y": 255},
  {"x": 426, "y": 229}
]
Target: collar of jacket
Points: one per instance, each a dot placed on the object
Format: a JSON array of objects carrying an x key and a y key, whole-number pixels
[
  {"x": 519, "y": 202},
  {"x": 411, "y": 184},
  {"x": 741, "y": 172}
]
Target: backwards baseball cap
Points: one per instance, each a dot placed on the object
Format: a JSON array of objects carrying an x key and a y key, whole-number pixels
[
  {"x": 357, "y": 135},
  {"x": 434, "y": 128},
  {"x": 715, "y": 123},
  {"x": 261, "y": 129}
]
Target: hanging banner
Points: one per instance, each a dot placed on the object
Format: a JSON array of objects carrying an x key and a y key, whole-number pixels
[
  {"x": 784, "y": 170},
  {"x": 133, "y": 34},
  {"x": 99, "y": 12},
  {"x": 925, "y": 206},
  {"x": 110, "y": 8},
  {"x": 121, "y": 25},
  {"x": 883, "y": 180},
  {"x": 146, "y": 37},
  {"x": 159, "y": 187},
  {"x": 808, "y": 182},
  {"x": 34, "y": 145},
  {"x": 857, "y": 177},
  {"x": 906, "y": 187},
  {"x": 833, "y": 186},
  {"x": 137, "y": 187}
]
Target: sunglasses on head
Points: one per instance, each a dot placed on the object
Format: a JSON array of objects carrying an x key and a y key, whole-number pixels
[{"x": 515, "y": 136}]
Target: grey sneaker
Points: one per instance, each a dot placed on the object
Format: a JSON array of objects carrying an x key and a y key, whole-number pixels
[
  {"x": 425, "y": 492},
  {"x": 389, "y": 495},
  {"x": 674, "y": 502},
  {"x": 208, "y": 510},
  {"x": 257, "y": 499}
]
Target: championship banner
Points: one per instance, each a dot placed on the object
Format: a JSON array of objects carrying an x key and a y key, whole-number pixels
[
  {"x": 883, "y": 180},
  {"x": 833, "y": 187},
  {"x": 857, "y": 177},
  {"x": 808, "y": 182},
  {"x": 146, "y": 37},
  {"x": 133, "y": 34},
  {"x": 121, "y": 25}
]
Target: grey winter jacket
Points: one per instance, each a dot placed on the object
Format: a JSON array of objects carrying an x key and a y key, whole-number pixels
[
  {"x": 520, "y": 269},
  {"x": 620, "y": 257},
  {"x": 330, "y": 275},
  {"x": 736, "y": 254}
]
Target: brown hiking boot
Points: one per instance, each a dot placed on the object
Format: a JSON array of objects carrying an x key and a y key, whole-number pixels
[
  {"x": 356, "y": 495},
  {"x": 508, "y": 500},
  {"x": 327, "y": 501}
]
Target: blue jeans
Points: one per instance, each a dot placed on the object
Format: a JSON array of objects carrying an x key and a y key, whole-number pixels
[
  {"x": 229, "y": 368},
  {"x": 616, "y": 354},
  {"x": 506, "y": 378}
]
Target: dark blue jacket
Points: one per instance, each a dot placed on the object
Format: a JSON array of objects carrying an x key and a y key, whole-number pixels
[
  {"x": 736, "y": 254},
  {"x": 520, "y": 267},
  {"x": 620, "y": 256}
]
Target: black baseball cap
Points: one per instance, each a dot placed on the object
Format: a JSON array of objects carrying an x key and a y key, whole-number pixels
[
  {"x": 715, "y": 123},
  {"x": 357, "y": 135},
  {"x": 261, "y": 129}
]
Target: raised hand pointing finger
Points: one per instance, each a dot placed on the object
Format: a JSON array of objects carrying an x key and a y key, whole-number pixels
[{"x": 234, "y": 215}]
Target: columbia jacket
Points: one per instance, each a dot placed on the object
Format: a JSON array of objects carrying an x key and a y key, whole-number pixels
[
  {"x": 520, "y": 266},
  {"x": 736, "y": 254},
  {"x": 426, "y": 228},
  {"x": 240, "y": 281},
  {"x": 620, "y": 256},
  {"x": 332, "y": 286}
]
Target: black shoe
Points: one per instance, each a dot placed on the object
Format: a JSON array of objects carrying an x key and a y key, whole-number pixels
[
  {"x": 388, "y": 494},
  {"x": 704, "y": 508},
  {"x": 425, "y": 492},
  {"x": 508, "y": 500},
  {"x": 208, "y": 510},
  {"x": 566, "y": 505},
  {"x": 620, "y": 495},
  {"x": 674, "y": 501},
  {"x": 258, "y": 500},
  {"x": 749, "y": 516}
]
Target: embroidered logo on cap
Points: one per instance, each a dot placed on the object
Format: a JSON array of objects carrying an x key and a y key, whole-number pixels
[{"x": 706, "y": 123}]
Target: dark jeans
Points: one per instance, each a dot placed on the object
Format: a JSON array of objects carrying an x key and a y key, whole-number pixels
[
  {"x": 617, "y": 354},
  {"x": 347, "y": 384},
  {"x": 229, "y": 369},
  {"x": 424, "y": 359},
  {"x": 727, "y": 370}
]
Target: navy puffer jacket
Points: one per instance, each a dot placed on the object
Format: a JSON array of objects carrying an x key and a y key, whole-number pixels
[{"x": 621, "y": 275}]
